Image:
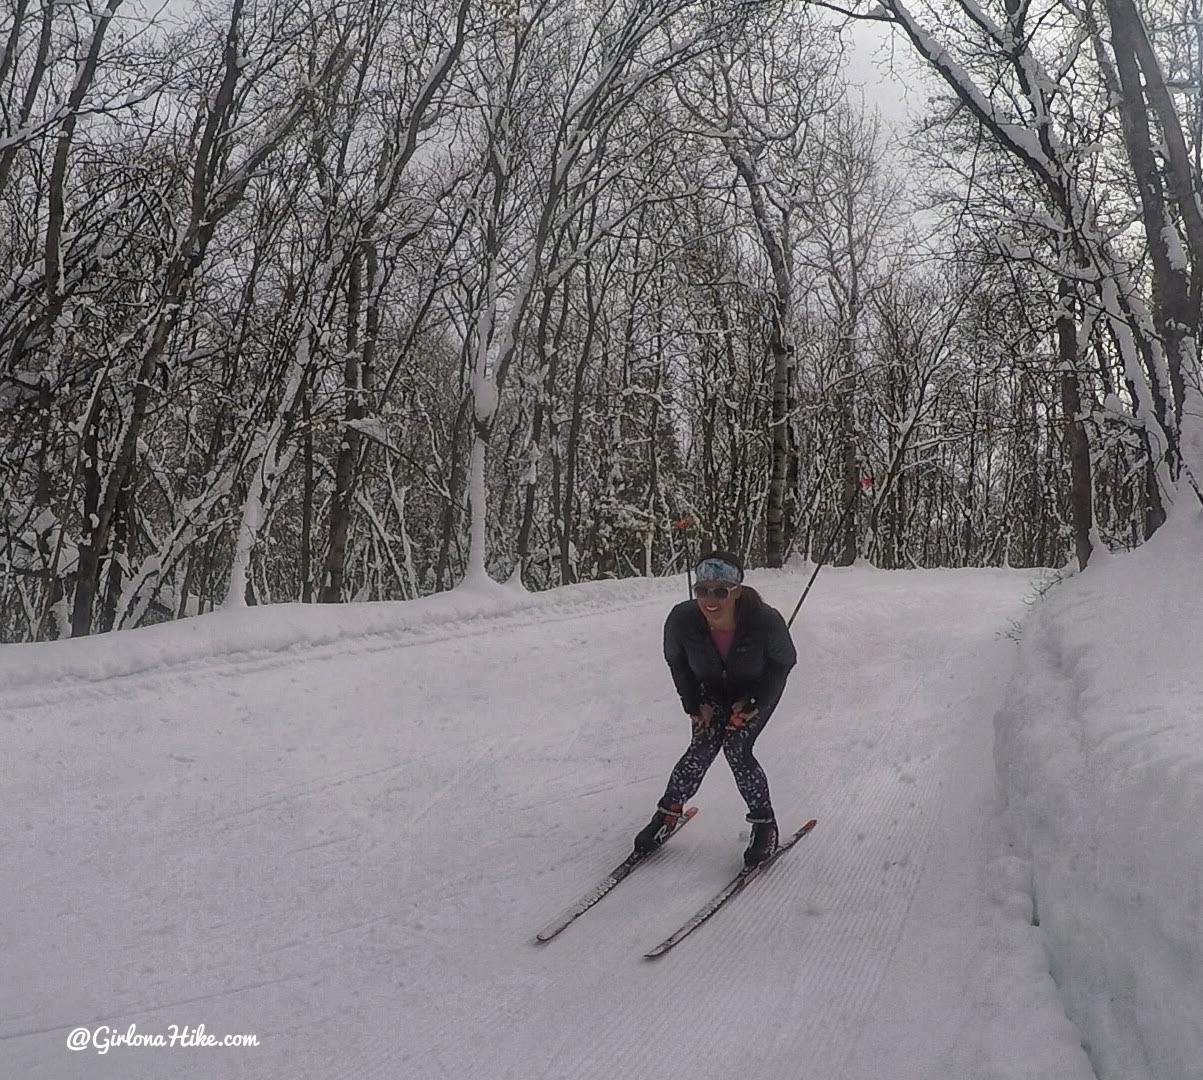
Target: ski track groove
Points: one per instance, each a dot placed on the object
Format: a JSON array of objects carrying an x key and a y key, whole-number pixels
[
  {"x": 865, "y": 947},
  {"x": 599, "y": 1053},
  {"x": 857, "y": 944}
]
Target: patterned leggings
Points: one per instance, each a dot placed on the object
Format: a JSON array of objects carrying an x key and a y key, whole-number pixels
[{"x": 736, "y": 745}]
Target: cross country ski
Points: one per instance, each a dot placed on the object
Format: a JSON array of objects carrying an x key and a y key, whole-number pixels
[
  {"x": 622, "y": 870},
  {"x": 736, "y": 885}
]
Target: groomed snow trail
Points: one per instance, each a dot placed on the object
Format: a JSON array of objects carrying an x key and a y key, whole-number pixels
[{"x": 348, "y": 851}]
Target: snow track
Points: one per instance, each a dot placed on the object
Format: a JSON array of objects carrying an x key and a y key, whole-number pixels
[{"x": 341, "y": 836}]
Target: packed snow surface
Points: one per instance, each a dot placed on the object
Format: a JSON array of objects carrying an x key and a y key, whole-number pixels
[{"x": 338, "y": 829}]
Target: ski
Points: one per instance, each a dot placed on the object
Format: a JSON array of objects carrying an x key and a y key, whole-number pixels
[
  {"x": 571, "y": 914},
  {"x": 736, "y": 884}
]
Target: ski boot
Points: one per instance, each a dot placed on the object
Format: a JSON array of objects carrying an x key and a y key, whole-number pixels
[
  {"x": 764, "y": 838},
  {"x": 659, "y": 829}
]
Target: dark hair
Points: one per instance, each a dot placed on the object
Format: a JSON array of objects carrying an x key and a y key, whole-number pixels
[
  {"x": 749, "y": 598},
  {"x": 725, "y": 556}
]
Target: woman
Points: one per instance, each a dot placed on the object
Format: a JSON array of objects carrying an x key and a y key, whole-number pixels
[{"x": 730, "y": 655}]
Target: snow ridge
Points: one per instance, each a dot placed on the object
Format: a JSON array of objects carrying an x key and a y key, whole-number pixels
[
  {"x": 1100, "y": 757},
  {"x": 258, "y": 638}
]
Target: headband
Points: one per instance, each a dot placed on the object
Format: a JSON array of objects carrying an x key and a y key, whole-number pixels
[{"x": 719, "y": 570}]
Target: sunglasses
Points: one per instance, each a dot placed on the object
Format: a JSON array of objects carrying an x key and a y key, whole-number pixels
[{"x": 719, "y": 592}]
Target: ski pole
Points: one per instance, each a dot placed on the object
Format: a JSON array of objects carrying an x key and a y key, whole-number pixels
[
  {"x": 683, "y": 524},
  {"x": 827, "y": 550}
]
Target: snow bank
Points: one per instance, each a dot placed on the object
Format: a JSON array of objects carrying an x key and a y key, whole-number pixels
[
  {"x": 283, "y": 630},
  {"x": 1099, "y": 750}
]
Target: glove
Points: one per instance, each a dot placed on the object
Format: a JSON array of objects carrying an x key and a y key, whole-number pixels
[
  {"x": 704, "y": 717},
  {"x": 742, "y": 712}
]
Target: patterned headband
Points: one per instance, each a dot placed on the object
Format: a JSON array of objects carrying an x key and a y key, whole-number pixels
[{"x": 719, "y": 570}]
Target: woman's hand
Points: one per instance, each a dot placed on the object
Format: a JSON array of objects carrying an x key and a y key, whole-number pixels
[
  {"x": 704, "y": 717},
  {"x": 742, "y": 712}
]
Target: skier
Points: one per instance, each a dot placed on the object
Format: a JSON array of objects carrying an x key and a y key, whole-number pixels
[{"x": 730, "y": 654}]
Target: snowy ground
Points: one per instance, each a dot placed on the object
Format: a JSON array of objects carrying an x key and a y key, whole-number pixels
[
  {"x": 339, "y": 829},
  {"x": 1100, "y": 751}
]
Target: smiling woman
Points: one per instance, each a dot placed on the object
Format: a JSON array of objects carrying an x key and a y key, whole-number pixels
[{"x": 730, "y": 654}]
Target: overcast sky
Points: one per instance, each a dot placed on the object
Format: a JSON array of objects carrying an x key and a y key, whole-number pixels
[{"x": 883, "y": 67}]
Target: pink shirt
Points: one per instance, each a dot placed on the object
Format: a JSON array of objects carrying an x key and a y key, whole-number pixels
[{"x": 722, "y": 641}]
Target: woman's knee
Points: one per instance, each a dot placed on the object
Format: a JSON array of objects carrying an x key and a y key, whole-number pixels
[
  {"x": 738, "y": 751},
  {"x": 703, "y": 749}
]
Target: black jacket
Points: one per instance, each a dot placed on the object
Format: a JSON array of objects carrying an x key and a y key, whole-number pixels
[{"x": 762, "y": 653}]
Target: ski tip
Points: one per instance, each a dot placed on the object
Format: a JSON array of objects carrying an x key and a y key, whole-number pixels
[{"x": 805, "y": 830}]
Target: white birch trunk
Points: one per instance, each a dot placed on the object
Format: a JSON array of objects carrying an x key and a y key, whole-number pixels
[{"x": 271, "y": 465}]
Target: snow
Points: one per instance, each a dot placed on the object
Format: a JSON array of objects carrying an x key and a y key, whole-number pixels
[
  {"x": 1173, "y": 247},
  {"x": 338, "y": 828},
  {"x": 374, "y": 428},
  {"x": 1101, "y": 750}
]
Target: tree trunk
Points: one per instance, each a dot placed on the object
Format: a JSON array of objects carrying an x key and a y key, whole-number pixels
[
  {"x": 1081, "y": 510},
  {"x": 567, "y": 511},
  {"x": 442, "y": 569},
  {"x": 307, "y": 494},
  {"x": 549, "y": 364},
  {"x": 87, "y": 573},
  {"x": 848, "y": 550},
  {"x": 349, "y": 444},
  {"x": 782, "y": 370}
]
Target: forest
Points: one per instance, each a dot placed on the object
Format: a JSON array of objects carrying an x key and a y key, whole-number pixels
[{"x": 344, "y": 301}]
